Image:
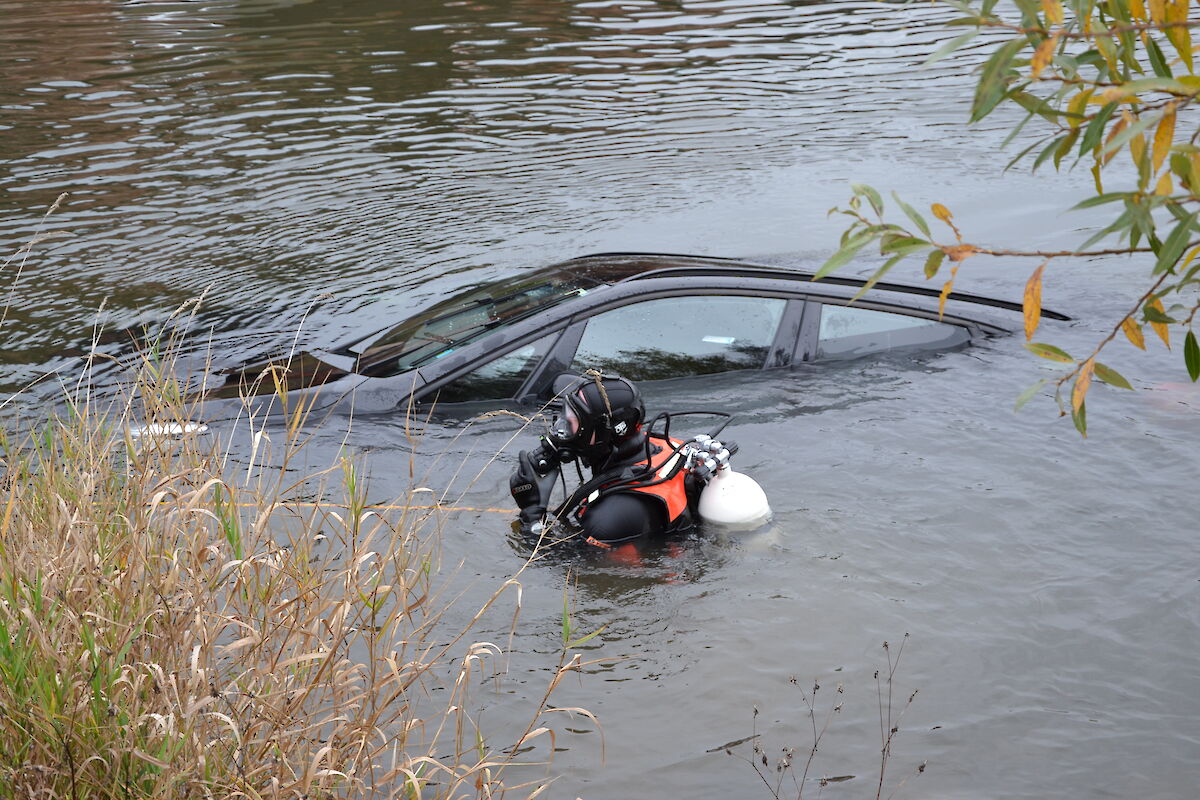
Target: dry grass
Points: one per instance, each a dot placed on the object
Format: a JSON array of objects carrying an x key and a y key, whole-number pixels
[{"x": 173, "y": 627}]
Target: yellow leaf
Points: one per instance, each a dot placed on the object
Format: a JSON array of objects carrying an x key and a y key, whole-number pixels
[
  {"x": 1164, "y": 186},
  {"x": 1158, "y": 11},
  {"x": 1137, "y": 9},
  {"x": 1082, "y": 382},
  {"x": 1189, "y": 259},
  {"x": 1076, "y": 106},
  {"x": 1195, "y": 159},
  {"x": 1181, "y": 37},
  {"x": 1119, "y": 126},
  {"x": 1033, "y": 302},
  {"x": 1161, "y": 328},
  {"x": 941, "y": 212},
  {"x": 1053, "y": 11},
  {"x": 1137, "y": 150},
  {"x": 1133, "y": 332},
  {"x": 946, "y": 291},
  {"x": 1042, "y": 56},
  {"x": 1178, "y": 34},
  {"x": 1164, "y": 137}
]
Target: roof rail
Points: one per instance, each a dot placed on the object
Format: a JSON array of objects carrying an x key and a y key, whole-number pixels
[{"x": 836, "y": 280}]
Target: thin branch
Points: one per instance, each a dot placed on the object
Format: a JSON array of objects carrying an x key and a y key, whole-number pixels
[
  {"x": 1063, "y": 33},
  {"x": 1055, "y": 253},
  {"x": 1112, "y": 334}
]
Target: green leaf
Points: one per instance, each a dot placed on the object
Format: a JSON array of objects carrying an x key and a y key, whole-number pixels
[
  {"x": 1111, "y": 376},
  {"x": 1028, "y": 394},
  {"x": 583, "y": 639},
  {"x": 1121, "y": 223},
  {"x": 1191, "y": 355},
  {"x": 1015, "y": 131},
  {"x": 904, "y": 245},
  {"x": 879, "y": 273},
  {"x": 848, "y": 250},
  {"x": 1122, "y": 138},
  {"x": 912, "y": 214},
  {"x": 1029, "y": 13},
  {"x": 566, "y": 620},
  {"x": 992, "y": 83},
  {"x": 1049, "y": 351},
  {"x": 950, "y": 46},
  {"x": 1152, "y": 314},
  {"x": 871, "y": 195},
  {"x": 1095, "y": 128},
  {"x": 1156, "y": 85},
  {"x": 1036, "y": 105},
  {"x": 1079, "y": 417},
  {"x": 934, "y": 263},
  {"x": 1178, "y": 211},
  {"x": 1143, "y": 222},
  {"x": 1158, "y": 61},
  {"x": 1017, "y": 158},
  {"x": 1172, "y": 249},
  {"x": 1055, "y": 146},
  {"x": 1181, "y": 165},
  {"x": 1065, "y": 146},
  {"x": 1100, "y": 199}
]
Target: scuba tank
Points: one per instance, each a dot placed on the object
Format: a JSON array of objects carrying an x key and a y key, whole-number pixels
[
  {"x": 734, "y": 499},
  {"x": 730, "y": 498}
]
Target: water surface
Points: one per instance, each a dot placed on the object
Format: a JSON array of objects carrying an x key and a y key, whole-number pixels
[{"x": 317, "y": 169}]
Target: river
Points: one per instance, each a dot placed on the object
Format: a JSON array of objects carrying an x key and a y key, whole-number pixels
[{"x": 326, "y": 167}]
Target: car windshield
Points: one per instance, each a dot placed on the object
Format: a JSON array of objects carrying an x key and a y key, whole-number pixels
[{"x": 463, "y": 319}]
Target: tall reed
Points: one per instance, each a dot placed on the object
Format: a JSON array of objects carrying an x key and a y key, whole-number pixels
[{"x": 173, "y": 627}]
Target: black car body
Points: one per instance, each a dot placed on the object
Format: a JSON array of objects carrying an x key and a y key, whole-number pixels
[{"x": 645, "y": 316}]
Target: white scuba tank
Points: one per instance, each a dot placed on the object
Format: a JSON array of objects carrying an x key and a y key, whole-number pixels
[{"x": 734, "y": 499}]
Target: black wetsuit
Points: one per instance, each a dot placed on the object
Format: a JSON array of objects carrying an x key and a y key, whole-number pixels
[
  {"x": 624, "y": 514},
  {"x": 623, "y": 517}
]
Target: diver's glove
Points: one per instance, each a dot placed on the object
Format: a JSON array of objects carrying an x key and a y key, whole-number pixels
[
  {"x": 532, "y": 482},
  {"x": 525, "y": 490}
]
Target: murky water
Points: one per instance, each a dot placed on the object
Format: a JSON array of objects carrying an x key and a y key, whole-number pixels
[{"x": 337, "y": 164}]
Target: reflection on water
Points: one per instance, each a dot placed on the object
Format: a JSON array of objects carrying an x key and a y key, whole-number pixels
[
  {"x": 270, "y": 153},
  {"x": 321, "y": 169}
]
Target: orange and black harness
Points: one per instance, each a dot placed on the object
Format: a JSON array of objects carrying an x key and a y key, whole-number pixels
[{"x": 662, "y": 477}]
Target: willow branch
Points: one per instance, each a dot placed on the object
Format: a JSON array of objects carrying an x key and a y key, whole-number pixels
[
  {"x": 1063, "y": 33},
  {"x": 1049, "y": 253},
  {"x": 1112, "y": 334}
]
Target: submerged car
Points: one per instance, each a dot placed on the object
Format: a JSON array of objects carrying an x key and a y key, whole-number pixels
[{"x": 644, "y": 316}]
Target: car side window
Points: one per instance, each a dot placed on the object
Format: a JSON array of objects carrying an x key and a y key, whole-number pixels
[
  {"x": 498, "y": 379},
  {"x": 848, "y": 332},
  {"x": 674, "y": 337}
]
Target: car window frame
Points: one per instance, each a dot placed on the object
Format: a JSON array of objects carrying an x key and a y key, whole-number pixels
[
  {"x": 781, "y": 353},
  {"x": 809, "y": 346},
  {"x": 429, "y": 391},
  {"x": 796, "y": 338}
]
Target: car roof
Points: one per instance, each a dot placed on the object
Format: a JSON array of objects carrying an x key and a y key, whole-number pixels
[{"x": 627, "y": 267}]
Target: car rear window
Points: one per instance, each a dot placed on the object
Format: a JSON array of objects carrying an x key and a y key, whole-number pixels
[
  {"x": 465, "y": 318},
  {"x": 849, "y": 332}
]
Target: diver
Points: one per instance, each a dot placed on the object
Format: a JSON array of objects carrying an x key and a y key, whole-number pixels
[{"x": 643, "y": 483}]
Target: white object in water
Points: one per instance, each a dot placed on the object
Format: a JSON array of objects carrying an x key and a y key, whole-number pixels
[
  {"x": 734, "y": 499},
  {"x": 167, "y": 429}
]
